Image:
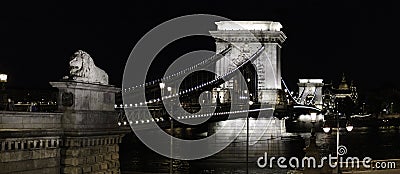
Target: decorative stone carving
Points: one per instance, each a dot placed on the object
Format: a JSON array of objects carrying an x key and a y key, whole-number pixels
[
  {"x": 67, "y": 99},
  {"x": 249, "y": 25},
  {"x": 83, "y": 69}
]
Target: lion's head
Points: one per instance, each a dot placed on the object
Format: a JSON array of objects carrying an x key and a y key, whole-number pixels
[
  {"x": 82, "y": 68},
  {"x": 80, "y": 64}
]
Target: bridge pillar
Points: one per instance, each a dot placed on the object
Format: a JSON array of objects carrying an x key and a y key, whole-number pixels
[
  {"x": 265, "y": 135},
  {"x": 246, "y": 37},
  {"x": 89, "y": 121}
]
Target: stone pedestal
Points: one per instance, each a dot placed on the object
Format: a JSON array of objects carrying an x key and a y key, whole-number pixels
[
  {"x": 85, "y": 96},
  {"x": 91, "y": 132},
  {"x": 86, "y": 106}
]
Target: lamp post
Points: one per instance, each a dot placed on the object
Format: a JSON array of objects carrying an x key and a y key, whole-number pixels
[
  {"x": 312, "y": 150},
  {"x": 327, "y": 129},
  {"x": 171, "y": 164},
  {"x": 391, "y": 108},
  {"x": 247, "y": 139},
  {"x": 363, "y": 108},
  {"x": 169, "y": 89},
  {"x": 313, "y": 116},
  {"x": 162, "y": 86},
  {"x": 3, "y": 81}
]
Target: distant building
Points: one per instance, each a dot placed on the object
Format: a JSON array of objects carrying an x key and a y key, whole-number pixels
[
  {"x": 314, "y": 92},
  {"x": 342, "y": 98}
]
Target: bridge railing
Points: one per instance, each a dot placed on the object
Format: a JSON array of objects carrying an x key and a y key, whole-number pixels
[{"x": 14, "y": 120}]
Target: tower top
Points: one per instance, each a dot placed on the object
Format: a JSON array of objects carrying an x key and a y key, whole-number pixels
[
  {"x": 343, "y": 84},
  {"x": 249, "y": 25}
]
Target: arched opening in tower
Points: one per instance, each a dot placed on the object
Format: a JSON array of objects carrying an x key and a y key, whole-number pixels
[{"x": 249, "y": 73}]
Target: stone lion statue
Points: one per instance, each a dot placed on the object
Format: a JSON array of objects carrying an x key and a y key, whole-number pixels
[{"x": 83, "y": 69}]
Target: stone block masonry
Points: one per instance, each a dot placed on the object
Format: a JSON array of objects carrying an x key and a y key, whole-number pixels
[{"x": 97, "y": 154}]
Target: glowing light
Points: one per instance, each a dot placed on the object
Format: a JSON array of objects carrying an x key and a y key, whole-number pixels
[
  {"x": 162, "y": 85},
  {"x": 3, "y": 77},
  {"x": 313, "y": 117},
  {"x": 349, "y": 128},
  {"x": 326, "y": 129}
]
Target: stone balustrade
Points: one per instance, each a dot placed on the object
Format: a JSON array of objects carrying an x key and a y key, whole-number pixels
[{"x": 14, "y": 144}]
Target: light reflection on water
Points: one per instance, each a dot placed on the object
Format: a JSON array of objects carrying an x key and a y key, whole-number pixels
[{"x": 361, "y": 142}]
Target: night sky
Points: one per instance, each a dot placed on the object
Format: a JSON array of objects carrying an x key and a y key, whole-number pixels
[{"x": 325, "y": 39}]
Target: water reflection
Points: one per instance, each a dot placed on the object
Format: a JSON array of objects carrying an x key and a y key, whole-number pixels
[{"x": 377, "y": 143}]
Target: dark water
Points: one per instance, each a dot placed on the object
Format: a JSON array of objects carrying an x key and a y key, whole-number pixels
[{"x": 377, "y": 143}]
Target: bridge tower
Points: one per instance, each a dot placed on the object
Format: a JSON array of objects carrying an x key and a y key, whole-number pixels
[
  {"x": 246, "y": 37},
  {"x": 310, "y": 92}
]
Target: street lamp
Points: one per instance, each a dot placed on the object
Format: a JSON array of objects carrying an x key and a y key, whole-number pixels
[
  {"x": 327, "y": 129},
  {"x": 349, "y": 127},
  {"x": 251, "y": 102},
  {"x": 3, "y": 81},
  {"x": 162, "y": 86},
  {"x": 3, "y": 78},
  {"x": 247, "y": 138},
  {"x": 313, "y": 117},
  {"x": 391, "y": 108},
  {"x": 363, "y": 108},
  {"x": 312, "y": 150},
  {"x": 169, "y": 89}
]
